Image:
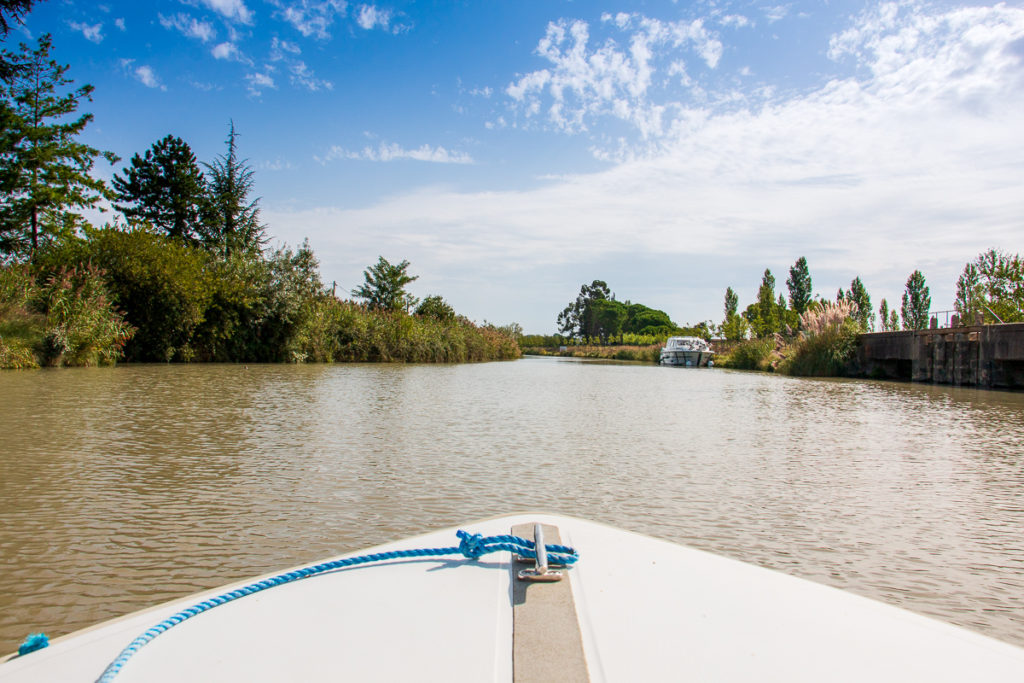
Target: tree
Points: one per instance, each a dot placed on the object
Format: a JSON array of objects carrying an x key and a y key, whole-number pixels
[
  {"x": 165, "y": 188},
  {"x": 605, "y": 318},
  {"x": 575, "y": 319},
  {"x": 894, "y": 320},
  {"x": 384, "y": 286},
  {"x": 734, "y": 326},
  {"x": 799, "y": 285},
  {"x": 12, "y": 12},
  {"x": 883, "y": 315},
  {"x": 232, "y": 224},
  {"x": 993, "y": 285},
  {"x": 44, "y": 172},
  {"x": 436, "y": 307},
  {"x": 858, "y": 294},
  {"x": 763, "y": 314},
  {"x": 917, "y": 302},
  {"x": 647, "y": 321}
]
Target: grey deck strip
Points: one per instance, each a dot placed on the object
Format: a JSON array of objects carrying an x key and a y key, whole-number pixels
[{"x": 546, "y": 641}]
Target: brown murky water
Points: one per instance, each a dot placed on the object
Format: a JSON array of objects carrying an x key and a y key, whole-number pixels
[{"x": 124, "y": 487}]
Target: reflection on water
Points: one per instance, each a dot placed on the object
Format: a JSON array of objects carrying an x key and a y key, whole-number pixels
[{"x": 124, "y": 487}]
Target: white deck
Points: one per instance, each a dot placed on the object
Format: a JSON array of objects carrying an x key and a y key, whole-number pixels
[{"x": 649, "y": 610}]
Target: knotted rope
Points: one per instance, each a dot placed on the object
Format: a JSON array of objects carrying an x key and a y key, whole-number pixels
[{"x": 471, "y": 546}]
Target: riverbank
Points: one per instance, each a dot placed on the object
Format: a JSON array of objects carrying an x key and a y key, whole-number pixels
[
  {"x": 136, "y": 296},
  {"x": 646, "y": 354}
]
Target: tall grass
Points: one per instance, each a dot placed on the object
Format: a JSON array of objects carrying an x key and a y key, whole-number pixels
[
  {"x": 67, "y": 319},
  {"x": 345, "y": 331},
  {"x": 827, "y": 342}
]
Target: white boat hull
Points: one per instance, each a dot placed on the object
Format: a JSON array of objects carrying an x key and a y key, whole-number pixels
[
  {"x": 688, "y": 359},
  {"x": 647, "y": 610}
]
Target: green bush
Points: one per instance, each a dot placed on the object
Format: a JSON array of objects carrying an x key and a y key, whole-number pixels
[{"x": 753, "y": 354}]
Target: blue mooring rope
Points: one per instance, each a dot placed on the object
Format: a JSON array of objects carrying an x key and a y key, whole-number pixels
[{"x": 470, "y": 545}]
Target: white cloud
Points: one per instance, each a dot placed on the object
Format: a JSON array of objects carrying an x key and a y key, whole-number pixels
[
  {"x": 91, "y": 32},
  {"x": 369, "y": 17},
  {"x": 311, "y": 17},
  {"x": 234, "y": 10},
  {"x": 775, "y": 13},
  {"x": 394, "y": 152},
  {"x": 259, "y": 81},
  {"x": 586, "y": 82},
  {"x": 147, "y": 76},
  {"x": 280, "y": 49},
  {"x": 227, "y": 50},
  {"x": 737, "y": 20},
  {"x": 189, "y": 26},
  {"x": 913, "y": 163},
  {"x": 119, "y": 23},
  {"x": 302, "y": 75}
]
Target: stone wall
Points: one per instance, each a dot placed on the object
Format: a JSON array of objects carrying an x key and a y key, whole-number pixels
[{"x": 987, "y": 356}]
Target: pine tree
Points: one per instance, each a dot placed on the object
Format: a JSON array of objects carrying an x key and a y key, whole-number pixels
[
  {"x": 917, "y": 302},
  {"x": 232, "y": 224},
  {"x": 165, "y": 188},
  {"x": 12, "y": 12},
  {"x": 44, "y": 172}
]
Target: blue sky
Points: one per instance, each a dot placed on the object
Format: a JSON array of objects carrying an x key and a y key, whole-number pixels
[{"x": 512, "y": 151}]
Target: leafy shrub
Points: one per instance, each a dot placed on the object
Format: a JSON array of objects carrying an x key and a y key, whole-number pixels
[{"x": 753, "y": 354}]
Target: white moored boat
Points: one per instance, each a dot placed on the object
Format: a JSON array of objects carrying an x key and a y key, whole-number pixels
[
  {"x": 691, "y": 352},
  {"x": 631, "y": 609}
]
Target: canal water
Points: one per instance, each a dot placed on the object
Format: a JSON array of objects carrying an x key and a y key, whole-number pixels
[{"x": 124, "y": 487}]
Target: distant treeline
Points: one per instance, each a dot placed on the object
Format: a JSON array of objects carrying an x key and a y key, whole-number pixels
[{"x": 596, "y": 317}]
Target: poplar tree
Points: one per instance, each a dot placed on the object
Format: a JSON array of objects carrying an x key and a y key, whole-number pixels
[
  {"x": 917, "y": 302},
  {"x": 767, "y": 308},
  {"x": 734, "y": 327},
  {"x": 883, "y": 315},
  {"x": 44, "y": 172},
  {"x": 858, "y": 294},
  {"x": 993, "y": 285},
  {"x": 232, "y": 224},
  {"x": 166, "y": 188},
  {"x": 799, "y": 285}
]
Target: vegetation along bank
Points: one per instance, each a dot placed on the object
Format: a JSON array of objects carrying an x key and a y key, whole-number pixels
[{"x": 183, "y": 273}]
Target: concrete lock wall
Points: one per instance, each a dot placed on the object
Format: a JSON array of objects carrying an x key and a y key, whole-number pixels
[{"x": 987, "y": 356}]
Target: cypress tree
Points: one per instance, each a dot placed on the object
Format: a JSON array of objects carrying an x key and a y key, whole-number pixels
[{"x": 232, "y": 224}]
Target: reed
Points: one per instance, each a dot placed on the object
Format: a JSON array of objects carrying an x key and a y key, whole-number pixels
[
  {"x": 67, "y": 319},
  {"x": 827, "y": 342},
  {"x": 345, "y": 331}
]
